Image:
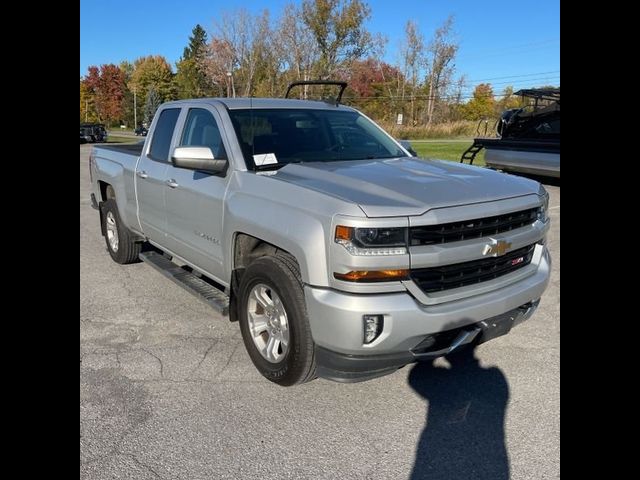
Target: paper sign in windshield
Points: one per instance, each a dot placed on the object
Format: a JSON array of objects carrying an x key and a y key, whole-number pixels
[{"x": 264, "y": 159}]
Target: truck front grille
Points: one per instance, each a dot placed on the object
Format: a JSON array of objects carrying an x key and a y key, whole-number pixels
[
  {"x": 436, "y": 279},
  {"x": 476, "y": 228}
]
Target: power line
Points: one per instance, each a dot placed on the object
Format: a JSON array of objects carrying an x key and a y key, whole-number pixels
[
  {"x": 465, "y": 94},
  {"x": 514, "y": 76},
  {"x": 529, "y": 44},
  {"x": 509, "y": 51},
  {"x": 408, "y": 98},
  {"x": 524, "y": 81}
]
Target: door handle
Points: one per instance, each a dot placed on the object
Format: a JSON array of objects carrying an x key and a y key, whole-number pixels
[
  {"x": 142, "y": 174},
  {"x": 172, "y": 183}
]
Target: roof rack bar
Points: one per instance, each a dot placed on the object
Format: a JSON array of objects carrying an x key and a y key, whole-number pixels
[{"x": 342, "y": 86}]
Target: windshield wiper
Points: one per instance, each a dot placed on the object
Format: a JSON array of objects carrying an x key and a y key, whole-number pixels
[
  {"x": 275, "y": 166},
  {"x": 269, "y": 166}
]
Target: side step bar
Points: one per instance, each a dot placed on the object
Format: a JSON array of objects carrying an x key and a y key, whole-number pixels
[{"x": 206, "y": 292}]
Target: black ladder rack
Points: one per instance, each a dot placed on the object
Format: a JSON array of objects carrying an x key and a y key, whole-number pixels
[{"x": 471, "y": 152}]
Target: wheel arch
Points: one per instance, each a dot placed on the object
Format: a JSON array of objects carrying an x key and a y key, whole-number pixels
[{"x": 246, "y": 249}]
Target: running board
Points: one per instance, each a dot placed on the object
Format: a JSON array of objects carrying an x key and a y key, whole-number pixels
[{"x": 206, "y": 292}]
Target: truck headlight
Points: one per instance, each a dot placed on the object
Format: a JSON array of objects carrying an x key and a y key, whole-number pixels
[
  {"x": 542, "y": 211},
  {"x": 372, "y": 241}
]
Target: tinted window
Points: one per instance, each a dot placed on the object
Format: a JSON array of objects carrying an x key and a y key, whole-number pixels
[
  {"x": 306, "y": 135},
  {"x": 162, "y": 134},
  {"x": 201, "y": 130}
]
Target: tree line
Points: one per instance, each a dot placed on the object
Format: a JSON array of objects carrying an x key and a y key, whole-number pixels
[{"x": 259, "y": 55}]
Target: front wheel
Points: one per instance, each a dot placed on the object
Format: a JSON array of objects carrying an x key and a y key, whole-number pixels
[{"x": 273, "y": 320}]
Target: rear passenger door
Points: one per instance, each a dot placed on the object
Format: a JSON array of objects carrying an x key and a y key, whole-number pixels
[
  {"x": 195, "y": 199},
  {"x": 151, "y": 177}
]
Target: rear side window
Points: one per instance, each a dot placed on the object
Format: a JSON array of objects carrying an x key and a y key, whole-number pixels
[{"x": 162, "y": 134}]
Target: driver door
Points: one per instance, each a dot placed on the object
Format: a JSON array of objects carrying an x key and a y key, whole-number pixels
[{"x": 195, "y": 199}]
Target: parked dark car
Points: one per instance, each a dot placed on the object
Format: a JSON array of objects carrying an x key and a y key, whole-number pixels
[
  {"x": 140, "y": 131},
  {"x": 93, "y": 132}
]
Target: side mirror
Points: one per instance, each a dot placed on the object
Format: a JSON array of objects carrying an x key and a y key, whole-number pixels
[
  {"x": 197, "y": 158},
  {"x": 407, "y": 146}
]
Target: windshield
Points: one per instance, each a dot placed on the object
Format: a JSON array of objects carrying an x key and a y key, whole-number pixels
[{"x": 305, "y": 135}]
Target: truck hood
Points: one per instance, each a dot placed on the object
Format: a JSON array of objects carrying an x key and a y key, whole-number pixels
[{"x": 405, "y": 186}]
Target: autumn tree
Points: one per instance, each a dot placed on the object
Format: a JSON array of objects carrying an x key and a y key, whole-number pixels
[
  {"x": 127, "y": 100},
  {"x": 508, "y": 100},
  {"x": 191, "y": 79},
  {"x": 269, "y": 79},
  {"x": 243, "y": 52},
  {"x": 229, "y": 49},
  {"x": 339, "y": 31},
  {"x": 298, "y": 46},
  {"x": 482, "y": 105},
  {"x": 256, "y": 38},
  {"x": 106, "y": 86},
  {"x": 267, "y": 56},
  {"x": 412, "y": 61},
  {"x": 87, "y": 107},
  {"x": 153, "y": 71},
  {"x": 219, "y": 66},
  {"x": 151, "y": 104},
  {"x": 370, "y": 81},
  {"x": 441, "y": 53}
]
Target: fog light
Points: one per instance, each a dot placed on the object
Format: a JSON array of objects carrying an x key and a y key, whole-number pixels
[{"x": 373, "y": 325}]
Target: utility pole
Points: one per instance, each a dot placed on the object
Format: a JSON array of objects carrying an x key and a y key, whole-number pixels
[
  {"x": 86, "y": 110},
  {"x": 135, "y": 113},
  {"x": 233, "y": 87}
]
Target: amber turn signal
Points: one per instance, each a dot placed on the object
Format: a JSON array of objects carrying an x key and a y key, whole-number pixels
[
  {"x": 344, "y": 233},
  {"x": 373, "y": 275}
]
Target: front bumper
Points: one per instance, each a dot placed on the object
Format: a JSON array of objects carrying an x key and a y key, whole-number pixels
[
  {"x": 336, "y": 319},
  {"x": 345, "y": 368}
]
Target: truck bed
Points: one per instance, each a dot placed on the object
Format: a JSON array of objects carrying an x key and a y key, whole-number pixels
[
  {"x": 115, "y": 165},
  {"x": 129, "y": 148}
]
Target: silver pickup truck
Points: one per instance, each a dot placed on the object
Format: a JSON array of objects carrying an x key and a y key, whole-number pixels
[{"x": 339, "y": 254}]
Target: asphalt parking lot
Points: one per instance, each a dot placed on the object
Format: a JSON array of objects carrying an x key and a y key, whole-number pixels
[{"x": 167, "y": 391}]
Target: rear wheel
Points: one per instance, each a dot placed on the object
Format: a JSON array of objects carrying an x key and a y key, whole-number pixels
[
  {"x": 120, "y": 242},
  {"x": 274, "y": 322}
]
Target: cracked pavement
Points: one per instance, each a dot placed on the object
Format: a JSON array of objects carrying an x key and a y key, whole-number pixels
[{"x": 167, "y": 391}]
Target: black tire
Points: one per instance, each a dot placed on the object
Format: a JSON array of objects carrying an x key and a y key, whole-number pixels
[
  {"x": 281, "y": 274},
  {"x": 127, "y": 250}
]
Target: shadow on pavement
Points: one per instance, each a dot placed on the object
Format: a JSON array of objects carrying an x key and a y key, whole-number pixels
[{"x": 464, "y": 433}]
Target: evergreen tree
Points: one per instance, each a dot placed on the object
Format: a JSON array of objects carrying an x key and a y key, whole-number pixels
[{"x": 190, "y": 78}]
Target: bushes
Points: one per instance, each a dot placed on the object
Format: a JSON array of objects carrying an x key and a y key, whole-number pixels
[{"x": 460, "y": 128}]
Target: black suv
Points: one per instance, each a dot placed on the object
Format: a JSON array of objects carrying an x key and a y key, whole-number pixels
[
  {"x": 140, "y": 131},
  {"x": 93, "y": 132}
]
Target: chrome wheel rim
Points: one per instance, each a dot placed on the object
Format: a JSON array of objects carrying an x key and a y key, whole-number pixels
[
  {"x": 112, "y": 232},
  {"x": 268, "y": 323}
]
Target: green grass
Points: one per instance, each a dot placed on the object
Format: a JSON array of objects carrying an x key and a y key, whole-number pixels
[
  {"x": 446, "y": 151},
  {"x": 117, "y": 139}
]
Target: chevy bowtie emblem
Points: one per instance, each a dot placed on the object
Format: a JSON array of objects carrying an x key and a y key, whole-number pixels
[{"x": 497, "y": 249}]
